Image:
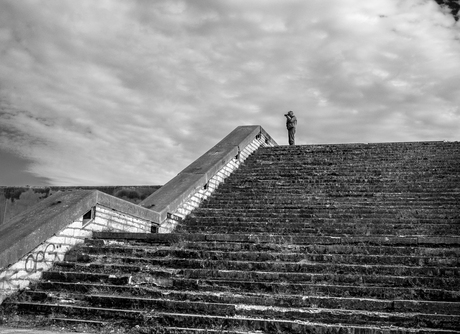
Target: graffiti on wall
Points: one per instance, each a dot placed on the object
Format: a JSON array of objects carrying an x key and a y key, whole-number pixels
[{"x": 47, "y": 257}]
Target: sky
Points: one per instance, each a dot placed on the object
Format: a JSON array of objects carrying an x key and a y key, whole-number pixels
[{"x": 130, "y": 92}]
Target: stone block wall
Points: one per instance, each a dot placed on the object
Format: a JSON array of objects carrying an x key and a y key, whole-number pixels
[
  {"x": 31, "y": 266},
  {"x": 203, "y": 192}
]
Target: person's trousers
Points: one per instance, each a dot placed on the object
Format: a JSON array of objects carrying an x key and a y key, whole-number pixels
[{"x": 291, "y": 136}]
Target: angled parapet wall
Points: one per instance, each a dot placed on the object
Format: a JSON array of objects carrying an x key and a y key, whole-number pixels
[
  {"x": 195, "y": 183},
  {"x": 31, "y": 242}
]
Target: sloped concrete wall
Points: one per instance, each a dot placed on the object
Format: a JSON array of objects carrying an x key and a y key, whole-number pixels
[
  {"x": 31, "y": 266},
  {"x": 198, "y": 181}
]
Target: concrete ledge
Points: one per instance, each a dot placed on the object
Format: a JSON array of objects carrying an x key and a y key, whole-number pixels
[
  {"x": 125, "y": 206},
  {"x": 26, "y": 231},
  {"x": 169, "y": 197}
]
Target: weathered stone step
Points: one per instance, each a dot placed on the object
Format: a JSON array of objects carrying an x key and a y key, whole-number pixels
[
  {"x": 115, "y": 273},
  {"x": 367, "y": 165},
  {"x": 337, "y": 188},
  {"x": 208, "y": 225},
  {"x": 386, "y": 153},
  {"x": 216, "y": 323},
  {"x": 321, "y": 289},
  {"x": 155, "y": 288},
  {"x": 352, "y": 177},
  {"x": 150, "y": 264},
  {"x": 84, "y": 312},
  {"x": 332, "y": 158},
  {"x": 275, "y": 312},
  {"x": 228, "y": 311},
  {"x": 325, "y": 221},
  {"x": 287, "y": 326},
  {"x": 427, "y": 147},
  {"x": 298, "y": 239},
  {"x": 67, "y": 276},
  {"x": 84, "y": 253},
  {"x": 247, "y": 194},
  {"x": 363, "y": 163},
  {"x": 306, "y": 213},
  {"x": 434, "y": 250},
  {"x": 342, "y": 188},
  {"x": 387, "y": 158},
  {"x": 37, "y": 323},
  {"x": 354, "y": 167},
  {"x": 326, "y": 211},
  {"x": 325, "y": 278},
  {"x": 124, "y": 274},
  {"x": 320, "y": 225},
  {"x": 314, "y": 203},
  {"x": 375, "y": 167},
  {"x": 69, "y": 294},
  {"x": 183, "y": 330}
]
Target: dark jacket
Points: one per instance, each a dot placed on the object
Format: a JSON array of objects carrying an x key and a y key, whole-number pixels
[{"x": 291, "y": 122}]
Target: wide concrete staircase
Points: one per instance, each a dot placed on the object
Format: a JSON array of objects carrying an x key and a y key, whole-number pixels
[{"x": 353, "y": 238}]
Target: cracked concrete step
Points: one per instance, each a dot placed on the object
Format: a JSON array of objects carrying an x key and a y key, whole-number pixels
[
  {"x": 326, "y": 211},
  {"x": 400, "y": 220},
  {"x": 93, "y": 292},
  {"x": 305, "y": 213},
  {"x": 364, "y": 164},
  {"x": 229, "y": 314},
  {"x": 88, "y": 253},
  {"x": 325, "y": 278},
  {"x": 182, "y": 244},
  {"x": 316, "y": 204},
  {"x": 353, "y": 179},
  {"x": 436, "y": 251},
  {"x": 295, "y": 182},
  {"x": 339, "y": 188},
  {"x": 363, "y": 228},
  {"x": 316, "y": 289},
  {"x": 133, "y": 274},
  {"x": 319, "y": 205},
  {"x": 317, "y": 195},
  {"x": 325, "y": 221},
  {"x": 244, "y": 287},
  {"x": 136, "y": 264},
  {"x": 297, "y": 239},
  {"x": 318, "y": 159}
]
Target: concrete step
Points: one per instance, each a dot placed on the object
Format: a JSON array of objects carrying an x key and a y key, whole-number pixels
[
  {"x": 435, "y": 250},
  {"x": 209, "y": 225},
  {"x": 298, "y": 239},
  {"x": 327, "y": 211},
  {"x": 125, "y": 274},
  {"x": 230, "y": 315},
  {"x": 136, "y": 264},
  {"x": 89, "y": 253},
  {"x": 152, "y": 286},
  {"x": 94, "y": 292}
]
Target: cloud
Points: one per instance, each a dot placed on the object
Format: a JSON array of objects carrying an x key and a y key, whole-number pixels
[{"x": 131, "y": 92}]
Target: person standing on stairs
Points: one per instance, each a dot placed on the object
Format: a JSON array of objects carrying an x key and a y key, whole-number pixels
[{"x": 291, "y": 123}]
